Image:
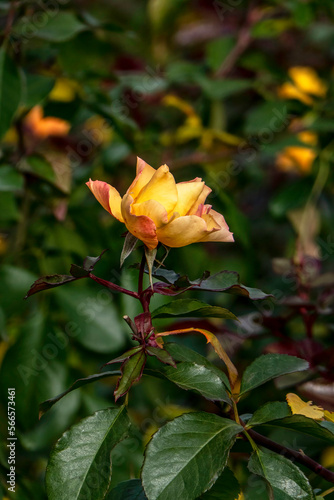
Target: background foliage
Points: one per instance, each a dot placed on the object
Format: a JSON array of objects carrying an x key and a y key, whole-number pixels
[{"x": 207, "y": 88}]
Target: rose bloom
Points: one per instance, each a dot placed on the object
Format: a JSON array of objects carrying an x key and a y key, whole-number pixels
[{"x": 156, "y": 209}]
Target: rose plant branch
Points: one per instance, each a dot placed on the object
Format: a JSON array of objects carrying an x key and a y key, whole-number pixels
[
  {"x": 158, "y": 211},
  {"x": 293, "y": 455}
]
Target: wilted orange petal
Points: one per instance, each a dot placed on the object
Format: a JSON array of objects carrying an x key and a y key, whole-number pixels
[
  {"x": 187, "y": 195},
  {"x": 160, "y": 188},
  {"x": 140, "y": 226},
  {"x": 219, "y": 230},
  {"x": 300, "y": 407},
  {"x": 108, "y": 196}
]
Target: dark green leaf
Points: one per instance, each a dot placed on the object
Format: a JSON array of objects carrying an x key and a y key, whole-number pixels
[
  {"x": 132, "y": 370},
  {"x": 162, "y": 355},
  {"x": 127, "y": 490},
  {"x": 94, "y": 316},
  {"x": 292, "y": 196},
  {"x": 10, "y": 179},
  {"x": 59, "y": 28},
  {"x": 184, "y": 458},
  {"x": 285, "y": 479},
  {"x": 224, "y": 281},
  {"x": 40, "y": 167},
  {"x": 10, "y": 90},
  {"x": 225, "y": 488},
  {"x": 305, "y": 425},
  {"x": 37, "y": 89},
  {"x": 80, "y": 463},
  {"x": 270, "y": 411},
  {"x": 46, "y": 405},
  {"x": 191, "y": 308},
  {"x": 198, "y": 378},
  {"x": 182, "y": 353},
  {"x": 268, "y": 367}
]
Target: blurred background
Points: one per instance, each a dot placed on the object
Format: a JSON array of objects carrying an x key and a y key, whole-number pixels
[{"x": 237, "y": 92}]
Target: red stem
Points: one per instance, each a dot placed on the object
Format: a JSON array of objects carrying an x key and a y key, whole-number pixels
[{"x": 112, "y": 286}]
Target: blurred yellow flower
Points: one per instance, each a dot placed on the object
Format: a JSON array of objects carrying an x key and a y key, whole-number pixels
[
  {"x": 156, "y": 209},
  {"x": 64, "y": 90},
  {"x": 42, "y": 127},
  {"x": 299, "y": 158},
  {"x": 193, "y": 127},
  {"x": 306, "y": 83}
]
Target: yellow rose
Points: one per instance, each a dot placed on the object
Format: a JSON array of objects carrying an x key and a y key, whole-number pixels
[{"x": 156, "y": 209}]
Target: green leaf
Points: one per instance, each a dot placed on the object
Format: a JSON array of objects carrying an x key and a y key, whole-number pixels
[
  {"x": 182, "y": 353},
  {"x": 93, "y": 318},
  {"x": 198, "y": 378},
  {"x": 305, "y": 425},
  {"x": 221, "y": 89},
  {"x": 10, "y": 179},
  {"x": 268, "y": 367},
  {"x": 292, "y": 196},
  {"x": 37, "y": 89},
  {"x": 186, "y": 308},
  {"x": 270, "y": 411},
  {"x": 40, "y": 167},
  {"x": 90, "y": 262},
  {"x": 46, "y": 405},
  {"x": 225, "y": 488},
  {"x": 217, "y": 50},
  {"x": 125, "y": 355},
  {"x": 184, "y": 458},
  {"x": 10, "y": 90},
  {"x": 162, "y": 355},
  {"x": 127, "y": 490},
  {"x": 80, "y": 465},
  {"x": 286, "y": 480},
  {"x": 132, "y": 370},
  {"x": 59, "y": 28},
  {"x": 224, "y": 281}
]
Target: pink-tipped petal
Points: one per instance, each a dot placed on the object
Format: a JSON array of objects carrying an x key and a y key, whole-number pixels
[
  {"x": 217, "y": 228},
  {"x": 107, "y": 196},
  {"x": 200, "y": 200}
]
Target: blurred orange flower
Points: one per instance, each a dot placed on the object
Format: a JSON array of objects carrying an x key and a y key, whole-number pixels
[
  {"x": 156, "y": 209},
  {"x": 306, "y": 83},
  {"x": 299, "y": 158},
  {"x": 42, "y": 127}
]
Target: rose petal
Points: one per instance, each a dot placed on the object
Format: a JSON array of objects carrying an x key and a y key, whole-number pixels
[
  {"x": 108, "y": 196},
  {"x": 217, "y": 227},
  {"x": 182, "y": 231},
  {"x": 161, "y": 188},
  {"x": 140, "y": 226},
  {"x": 187, "y": 195},
  {"x": 152, "y": 209},
  {"x": 144, "y": 174},
  {"x": 200, "y": 200}
]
